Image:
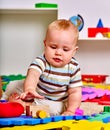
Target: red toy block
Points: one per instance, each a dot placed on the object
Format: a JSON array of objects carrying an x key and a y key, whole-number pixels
[
  {"x": 92, "y": 32},
  {"x": 11, "y": 109},
  {"x": 94, "y": 78}
]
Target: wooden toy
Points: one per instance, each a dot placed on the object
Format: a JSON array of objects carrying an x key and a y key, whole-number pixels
[{"x": 40, "y": 111}]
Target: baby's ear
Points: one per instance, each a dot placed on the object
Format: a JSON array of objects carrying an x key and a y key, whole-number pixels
[
  {"x": 76, "y": 48},
  {"x": 44, "y": 42}
]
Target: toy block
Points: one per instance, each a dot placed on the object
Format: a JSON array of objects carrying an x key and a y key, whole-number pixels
[
  {"x": 94, "y": 78},
  {"x": 37, "y": 111},
  {"x": 100, "y": 24},
  {"x": 107, "y": 34},
  {"x": 79, "y": 112},
  {"x": 45, "y": 5},
  {"x": 41, "y": 114},
  {"x": 92, "y": 32}
]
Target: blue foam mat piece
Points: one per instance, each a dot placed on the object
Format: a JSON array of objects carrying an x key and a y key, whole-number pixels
[{"x": 28, "y": 120}]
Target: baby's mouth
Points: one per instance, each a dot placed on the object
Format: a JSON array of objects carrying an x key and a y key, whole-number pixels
[{"x": 57, "y": 59}]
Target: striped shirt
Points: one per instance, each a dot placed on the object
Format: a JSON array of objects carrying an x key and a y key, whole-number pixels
[{"x": 54, "y": 82}]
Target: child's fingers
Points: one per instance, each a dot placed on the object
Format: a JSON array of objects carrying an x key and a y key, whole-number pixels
[
  {"x": 39, "y": 96},
  {"x": 30, "y": 95}
]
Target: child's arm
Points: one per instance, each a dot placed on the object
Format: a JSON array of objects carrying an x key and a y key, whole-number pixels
[
  {"x": 74, "y": 100},
  {"x": 30, "y": 85}
]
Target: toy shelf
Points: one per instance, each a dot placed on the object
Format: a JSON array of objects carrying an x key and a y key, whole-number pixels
[{"x": 29, "y": 11}]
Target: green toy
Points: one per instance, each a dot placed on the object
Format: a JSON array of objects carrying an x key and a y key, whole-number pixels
[{"x": 45, "y": 5}]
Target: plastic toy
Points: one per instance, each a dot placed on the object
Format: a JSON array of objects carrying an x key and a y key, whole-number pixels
[
  {"x": 106, "y": 108},
  {"x": 11, "y": 109},
  {"x": 92, "y": 32},
  {"x": 78, "y": 21},
  {"x": 94, "y": 78},
  {"x": 45, "y": 5},
  {"x": 41, "y": 111},
  {"x": 41, "y": 114}
]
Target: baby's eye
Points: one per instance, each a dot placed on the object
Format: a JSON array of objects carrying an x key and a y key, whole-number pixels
[
  {"x": 66, "y": 49},
  {"x": 53, "y": 47}
]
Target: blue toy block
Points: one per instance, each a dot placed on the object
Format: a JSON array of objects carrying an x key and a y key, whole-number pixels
[{"x": 100, "y": 24}]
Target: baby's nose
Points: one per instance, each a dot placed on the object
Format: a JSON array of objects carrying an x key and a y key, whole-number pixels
[{"x": 58, "y": 52}]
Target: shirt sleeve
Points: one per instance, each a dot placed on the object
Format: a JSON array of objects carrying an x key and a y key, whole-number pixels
[
  {"x": 76, "y": 78},
  {"x": 38, "y": 64}
]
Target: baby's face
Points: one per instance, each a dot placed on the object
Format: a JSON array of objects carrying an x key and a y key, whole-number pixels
[{"x": 60, "y": 47}]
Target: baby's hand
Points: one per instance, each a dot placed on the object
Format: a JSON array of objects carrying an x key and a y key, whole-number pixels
[
  {"x": 67, "y": 113},
  {"x": 30, "y": 94}
]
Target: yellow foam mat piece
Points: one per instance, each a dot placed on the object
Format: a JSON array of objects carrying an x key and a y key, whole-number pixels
[
  {"x": 102, "y": 86},
  {"x": 65, "y": 125}
]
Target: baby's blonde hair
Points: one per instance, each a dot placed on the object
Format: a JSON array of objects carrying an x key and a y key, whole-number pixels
[{"x": 63, "y": 24}]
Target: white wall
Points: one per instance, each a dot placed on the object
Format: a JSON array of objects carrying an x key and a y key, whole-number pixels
[
  {"x": 94, "y": 56},
  {"x": 21, "y": 40}
]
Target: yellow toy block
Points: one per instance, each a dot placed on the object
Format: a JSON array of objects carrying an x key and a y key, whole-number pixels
[
  {"x": 41, "y": 114},
  {"x": 108, "y": 34}
]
